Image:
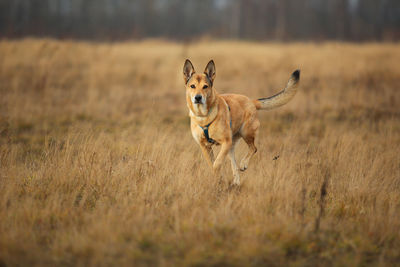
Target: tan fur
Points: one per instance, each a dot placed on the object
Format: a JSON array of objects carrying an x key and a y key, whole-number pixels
[
  {"x": 231, "y": 116},
  {"x": 282, "y": 97}
]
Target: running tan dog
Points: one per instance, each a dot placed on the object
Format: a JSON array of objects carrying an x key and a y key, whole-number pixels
[{"x": 223, "y": 119}]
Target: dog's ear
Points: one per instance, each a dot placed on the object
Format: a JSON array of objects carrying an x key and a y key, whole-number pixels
[
  {"x": 210, "y": 70},
  {"x": 188, "y": 70}
]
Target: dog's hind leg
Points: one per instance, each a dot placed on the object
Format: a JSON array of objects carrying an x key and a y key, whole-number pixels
[
  {"x": 235, "y": 169},
  {"x": 249, "y": 135}
]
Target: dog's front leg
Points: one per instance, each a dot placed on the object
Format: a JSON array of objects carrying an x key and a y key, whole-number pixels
[
  {"x": 208, "y": 154},
  {"x": 225, "y": 147},
  {"x": 235, "y": 169}
]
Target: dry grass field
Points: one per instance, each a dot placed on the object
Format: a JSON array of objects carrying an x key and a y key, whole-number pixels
[{"x": 99, "y": 168}]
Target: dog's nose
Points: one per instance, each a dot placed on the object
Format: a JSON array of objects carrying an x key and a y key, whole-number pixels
[{"x": 197, "y": 98}]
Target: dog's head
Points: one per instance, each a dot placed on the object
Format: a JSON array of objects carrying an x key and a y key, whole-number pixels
[{"x": 199, "y": 85}]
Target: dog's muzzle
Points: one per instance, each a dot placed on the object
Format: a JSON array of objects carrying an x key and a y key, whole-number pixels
[{"x": 198, "y": 99}]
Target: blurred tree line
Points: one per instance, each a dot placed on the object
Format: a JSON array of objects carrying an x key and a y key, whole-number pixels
[{"x": 354, "y": 20}]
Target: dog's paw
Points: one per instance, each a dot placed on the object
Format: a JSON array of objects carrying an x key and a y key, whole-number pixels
[
  {"x": 234, "y": 187},
  {"x": 243, "y": 167},
  {"x": 244, "y": 164}
]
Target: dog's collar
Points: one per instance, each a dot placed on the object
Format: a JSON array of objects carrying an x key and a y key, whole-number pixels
[{"x": 205, "y": 128}]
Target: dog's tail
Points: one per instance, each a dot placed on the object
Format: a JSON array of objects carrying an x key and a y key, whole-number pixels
[{"x": 282, "y": 97}]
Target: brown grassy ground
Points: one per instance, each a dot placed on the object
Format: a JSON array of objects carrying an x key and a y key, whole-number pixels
[{"x": 98, "y": 166}]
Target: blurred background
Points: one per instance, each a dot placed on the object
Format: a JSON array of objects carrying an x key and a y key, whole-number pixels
[
  {"x": 282, "y": 20},
  {"x": 98, "y": 166}
]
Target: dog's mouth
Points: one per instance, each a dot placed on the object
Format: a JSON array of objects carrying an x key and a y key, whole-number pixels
[{"x": 198, "y": 102}]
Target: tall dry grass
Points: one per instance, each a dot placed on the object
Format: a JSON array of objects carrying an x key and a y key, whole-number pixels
[{"x": 98, "y": 166}]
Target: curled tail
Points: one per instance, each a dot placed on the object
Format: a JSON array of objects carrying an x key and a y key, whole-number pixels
[{"x": 282, "y": 97}]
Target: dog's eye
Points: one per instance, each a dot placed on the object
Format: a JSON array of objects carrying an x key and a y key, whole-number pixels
[
  {"x": 193, "y": 86},
  {"x": 205, "y": 86}
]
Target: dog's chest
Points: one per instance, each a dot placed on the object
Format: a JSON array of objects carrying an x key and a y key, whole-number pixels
[{"x": 200, "y": 136}]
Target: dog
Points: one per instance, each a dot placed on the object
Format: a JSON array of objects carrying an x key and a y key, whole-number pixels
[{"x": 222, "y": 119}]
